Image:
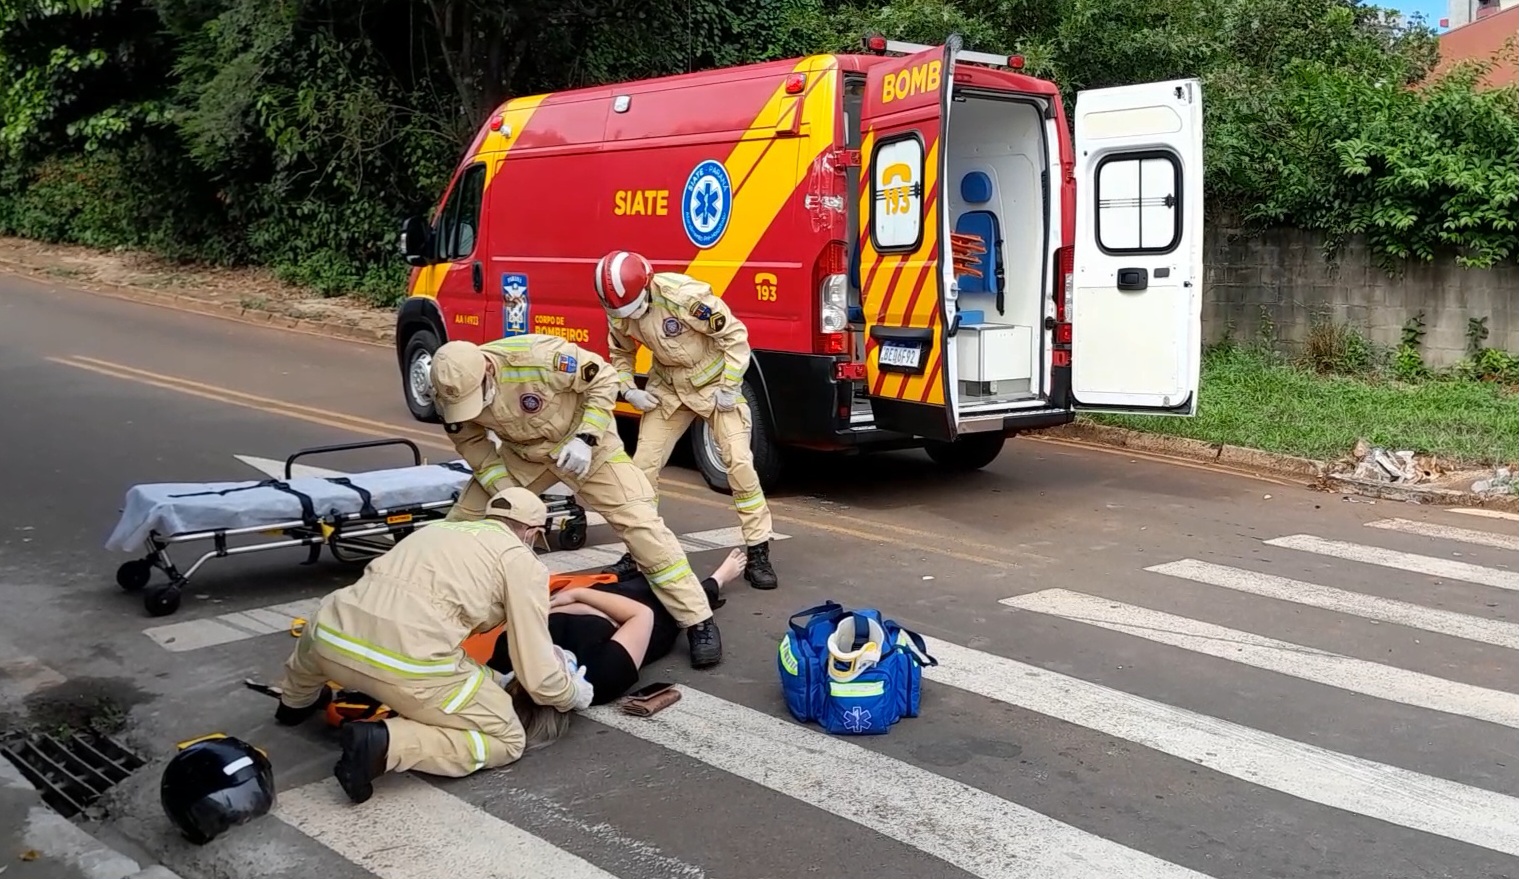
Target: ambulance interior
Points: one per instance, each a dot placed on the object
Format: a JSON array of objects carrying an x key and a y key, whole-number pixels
[{"x": 996, "y": 192}]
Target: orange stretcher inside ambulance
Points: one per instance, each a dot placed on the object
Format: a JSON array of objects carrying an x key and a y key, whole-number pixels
[{"x": 924, "y": 254}]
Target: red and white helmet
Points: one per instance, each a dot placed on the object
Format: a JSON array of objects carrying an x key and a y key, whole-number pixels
[{"x": 622, "y": 282}]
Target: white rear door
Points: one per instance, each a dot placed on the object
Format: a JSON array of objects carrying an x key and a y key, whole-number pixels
[{"x": 1136, "y": 322}]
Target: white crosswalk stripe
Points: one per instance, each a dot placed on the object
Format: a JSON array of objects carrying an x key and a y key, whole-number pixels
[
  {"x": 1308, "y": 663},
  {"x": 1371, "y": 607},
  {"x": 1447, "y": 532},
  {"x": 414, "y": 828},
  {"x": 1447, "y": 569}
]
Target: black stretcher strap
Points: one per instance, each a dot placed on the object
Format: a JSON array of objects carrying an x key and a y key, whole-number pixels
[
  {"x": 366, "y": 500},
  {"x": 308, "y": 509},
  {"x": 457, "y": 467}
]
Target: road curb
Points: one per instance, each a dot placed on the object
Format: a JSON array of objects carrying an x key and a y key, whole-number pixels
[
  {"x": 1234, "y": 457},
  {"x": 59, "y": 842},
  {"x": 1313, "y": 473},
  {"x": 195, "y": 305}
]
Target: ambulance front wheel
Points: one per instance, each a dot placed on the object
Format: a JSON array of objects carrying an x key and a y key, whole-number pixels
[
  {"x": 971, "y": 452},
  {"x": 416, "y": 375}
]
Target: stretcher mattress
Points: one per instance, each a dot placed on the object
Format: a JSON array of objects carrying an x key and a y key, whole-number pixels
[{"x": 171, "y": 508}]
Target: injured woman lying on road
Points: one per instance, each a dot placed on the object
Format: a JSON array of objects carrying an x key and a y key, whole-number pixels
[{"x": 614, "y": 629}]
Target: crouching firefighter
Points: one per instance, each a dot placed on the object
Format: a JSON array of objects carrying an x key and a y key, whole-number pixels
[
  {"x": 701, "y": 353},
  {"x": 397, "y": 636},
  {"x": 550, "y": 403}
]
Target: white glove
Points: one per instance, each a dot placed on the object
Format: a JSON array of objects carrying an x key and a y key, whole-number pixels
[
  {"x": 584, "y": 692},
  {"x": 643, "y": 401},
  {"x": 726, "y": 399},
  {"x": 575, "y": 457},
  {"x": 571, "y": 664}
]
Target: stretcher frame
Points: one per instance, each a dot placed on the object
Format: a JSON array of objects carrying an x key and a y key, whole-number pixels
[{"x": 351, "y": 538}]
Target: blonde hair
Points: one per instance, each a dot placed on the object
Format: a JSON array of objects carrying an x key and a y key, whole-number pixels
[{"x": 542, "y": 724}]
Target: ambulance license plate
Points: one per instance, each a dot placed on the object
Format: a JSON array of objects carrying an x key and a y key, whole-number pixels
[{"x": 901, "y": 355}]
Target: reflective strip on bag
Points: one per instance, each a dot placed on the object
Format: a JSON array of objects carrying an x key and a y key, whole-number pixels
[
  {"x": 857, "y": 689},
  {"x": 788, "y": 658},
  {"x": 383, "y": 659}
]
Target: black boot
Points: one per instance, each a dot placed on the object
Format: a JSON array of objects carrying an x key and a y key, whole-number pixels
[
  {"x": 624, "y": 567},
  {"x": 284, "y": 715},
  {"x": 366, "y": 744},
  {"x": 706, "y": 644},
  {"x": 758, "y": 571}
]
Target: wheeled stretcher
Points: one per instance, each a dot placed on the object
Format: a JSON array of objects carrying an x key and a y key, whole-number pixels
[{"x": 356, "y": 517}]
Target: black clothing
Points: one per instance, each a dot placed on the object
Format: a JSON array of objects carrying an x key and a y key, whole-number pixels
[{"x": 608, "y": 667}]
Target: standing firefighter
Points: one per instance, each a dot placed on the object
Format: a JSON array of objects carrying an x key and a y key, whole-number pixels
[
  {"x": 550, "y": 403},
  {"x": 397, "y": 635},
  {"x": 701, "y": 352}
]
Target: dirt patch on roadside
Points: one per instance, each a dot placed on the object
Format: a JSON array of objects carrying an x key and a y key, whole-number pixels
[{"x": 248, "y": 289}]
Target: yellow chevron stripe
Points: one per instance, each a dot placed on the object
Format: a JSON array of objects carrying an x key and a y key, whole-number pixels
[
  {"x": 517, "y": 113},
  {"x": 769, "y": 177}
]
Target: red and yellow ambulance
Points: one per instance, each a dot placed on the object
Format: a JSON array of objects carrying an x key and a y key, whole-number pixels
[{"x": 925, "y": 253}]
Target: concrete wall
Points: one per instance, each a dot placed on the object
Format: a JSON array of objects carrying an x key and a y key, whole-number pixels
[{"x": 1283, "y": 273}]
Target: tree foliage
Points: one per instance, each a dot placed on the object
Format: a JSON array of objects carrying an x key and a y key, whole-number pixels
[{"x": 293, "y": 133}]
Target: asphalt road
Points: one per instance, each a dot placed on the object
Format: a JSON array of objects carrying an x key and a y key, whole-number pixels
[{"x": 1146, "y": 669}]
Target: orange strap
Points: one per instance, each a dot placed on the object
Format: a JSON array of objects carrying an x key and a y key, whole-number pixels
[{"x": 575, "y": 581}]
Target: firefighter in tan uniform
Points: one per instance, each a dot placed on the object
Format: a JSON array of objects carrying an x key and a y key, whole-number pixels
[
  {"x": 701, "y": 353},
  {"x": 550, "y": 402},
  {"x": 397, "y": 635}
]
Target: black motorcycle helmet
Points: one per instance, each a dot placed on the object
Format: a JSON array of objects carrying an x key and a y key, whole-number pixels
[{"x": 215, "y": 783}]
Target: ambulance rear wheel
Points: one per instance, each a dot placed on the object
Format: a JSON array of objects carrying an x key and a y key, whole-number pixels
[
  {"x": 768, "y": 460},
  {"x": 971, "y": 452},
  {"x": 416, "y": 380}
]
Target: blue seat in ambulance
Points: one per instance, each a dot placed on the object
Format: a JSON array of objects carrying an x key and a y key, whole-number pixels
[{"x": 976, "y": 189}]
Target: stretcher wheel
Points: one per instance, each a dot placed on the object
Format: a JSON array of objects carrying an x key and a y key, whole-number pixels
[
  {"x": 162, "y": 600},
  {"x": 134, "y": 575},
  {"x": 572, "y": 535}
]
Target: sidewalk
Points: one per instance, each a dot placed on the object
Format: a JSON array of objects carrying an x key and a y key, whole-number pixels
[{"x": 38, "y": 843}]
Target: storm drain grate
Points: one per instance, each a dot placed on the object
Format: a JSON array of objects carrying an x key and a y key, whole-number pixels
[{"x": 73, "y": 771}]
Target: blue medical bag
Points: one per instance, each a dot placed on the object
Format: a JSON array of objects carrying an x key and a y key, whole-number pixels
[{"x": 872, "y": 700}]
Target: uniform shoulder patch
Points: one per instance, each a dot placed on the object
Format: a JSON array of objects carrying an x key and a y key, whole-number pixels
[
  {"x": 700, "y": 310},
  {"x": 565, "y": 363},
  {"x": 719, "y": 322},
  {"x": 589, "y": 371}
]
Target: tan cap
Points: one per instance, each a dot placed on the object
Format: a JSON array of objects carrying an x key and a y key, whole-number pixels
[
  {"x": 517, "y": 504},
  {"x": 458, "y": 369}
]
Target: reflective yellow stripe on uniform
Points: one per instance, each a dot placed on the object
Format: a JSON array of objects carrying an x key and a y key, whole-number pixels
[
  {"x": 706, "y": 374},
  {"x": 748, "y": 503},
  {"x": 509, "y": 344},
  {"x": 490, "y": 476},
  {"x": 478, "y": 747},
  {"x": 731, "y": 374},
  {"x": 521, "y": 374},
  {"x": 625, "y": 379},
  {"x": 670, "y": 573},
  {"x": 379, "y": 657},
  {"x": 466, "y": 692},
  {"x": 595, "y": 420}
]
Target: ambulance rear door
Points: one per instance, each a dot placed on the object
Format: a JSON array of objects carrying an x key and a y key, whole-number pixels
[
  {"x": 1136, "y": 302},
  {"x": 903, "y": 232}
]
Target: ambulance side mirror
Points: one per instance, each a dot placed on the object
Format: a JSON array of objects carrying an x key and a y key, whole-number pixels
[{"x": 416, "y": 241}]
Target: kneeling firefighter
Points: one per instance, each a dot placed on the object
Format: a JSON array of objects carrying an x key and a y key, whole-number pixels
[
  {"x": 397, "y": 635},
  {"x": 550, "y": 403},
  {"x": 701, "y": 353}
]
